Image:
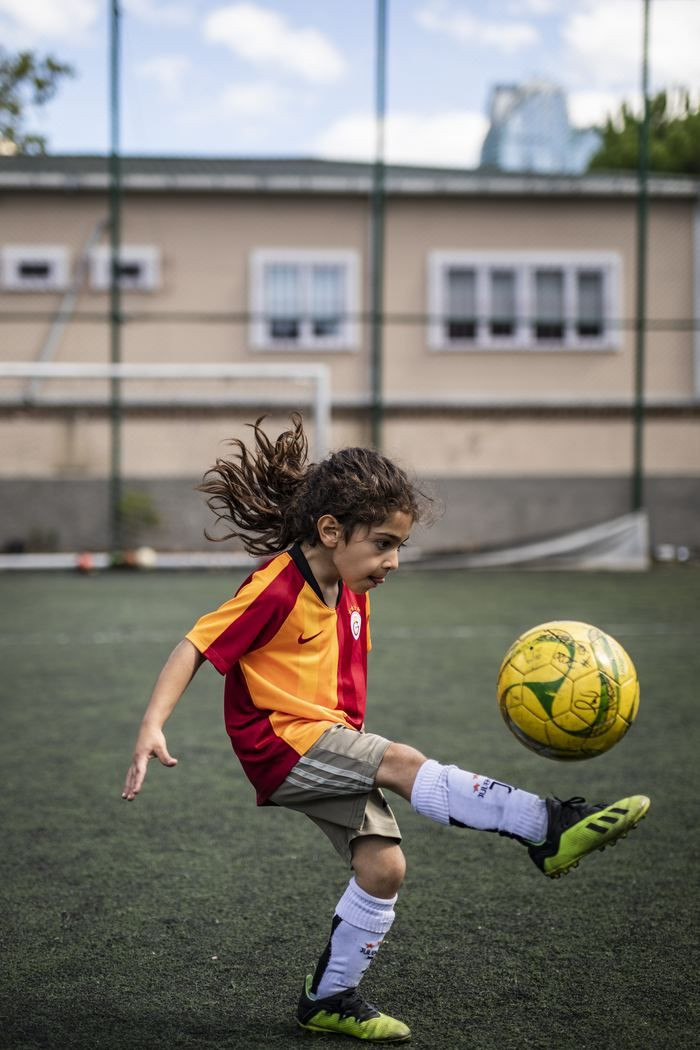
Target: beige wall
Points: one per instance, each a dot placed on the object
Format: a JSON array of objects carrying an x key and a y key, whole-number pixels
[
  {"x": 206, "y": 241},
  {"x": 415, "y": 227},
  {"x": 544, "y": 447},
  {"x": 77, "y": 444},
  {"x": 160, "y": 446}
]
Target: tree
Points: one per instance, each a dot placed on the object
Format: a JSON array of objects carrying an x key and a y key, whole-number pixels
[
  {"x": 674, "y": 137},
  {"x": 26, "y": 80}
]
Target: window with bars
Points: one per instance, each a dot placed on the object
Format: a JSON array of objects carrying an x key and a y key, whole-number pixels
[
  {"x": 533, "y": 301},
  {"x": 304, "y": 299}
]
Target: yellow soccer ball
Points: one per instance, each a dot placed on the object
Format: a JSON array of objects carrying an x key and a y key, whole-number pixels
[{"x": 568, "y": 690}]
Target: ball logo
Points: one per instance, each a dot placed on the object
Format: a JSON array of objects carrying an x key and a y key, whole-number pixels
[{"x": 355, "y": 624}]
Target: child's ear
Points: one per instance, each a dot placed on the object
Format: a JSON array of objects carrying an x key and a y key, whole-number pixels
[{"x": 330, "y": 531}]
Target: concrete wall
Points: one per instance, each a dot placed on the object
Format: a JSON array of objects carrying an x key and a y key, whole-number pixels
[{"x": 471, "y": 513}]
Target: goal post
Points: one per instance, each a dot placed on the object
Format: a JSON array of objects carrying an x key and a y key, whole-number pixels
[
  {"x": 101, "y": 456},
  {"x": 317, "y": 375}
]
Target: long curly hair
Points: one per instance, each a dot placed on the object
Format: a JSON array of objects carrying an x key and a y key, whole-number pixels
[{"x": 270, "y": 496}]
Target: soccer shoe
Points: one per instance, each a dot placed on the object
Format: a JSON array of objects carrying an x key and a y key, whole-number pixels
[
  {"x": 348, "y": 1014},
  {"x": 576, "y": 828}
]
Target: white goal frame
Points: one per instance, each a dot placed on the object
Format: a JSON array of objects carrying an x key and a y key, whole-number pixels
[{"x": 317, "y": 375}]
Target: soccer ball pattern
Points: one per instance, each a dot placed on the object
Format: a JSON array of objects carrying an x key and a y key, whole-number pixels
[{"x": 567, "y": 690}]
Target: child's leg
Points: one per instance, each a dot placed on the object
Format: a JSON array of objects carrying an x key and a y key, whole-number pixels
[
  {"x": 363, "y": 915},
  {"x": 558, "y": 834},
  {"x": 451, "y": 795},
  {"x": 330, "y": 1001}
]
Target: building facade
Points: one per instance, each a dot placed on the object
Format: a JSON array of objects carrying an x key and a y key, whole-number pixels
[{"x": 507, "y": 356}]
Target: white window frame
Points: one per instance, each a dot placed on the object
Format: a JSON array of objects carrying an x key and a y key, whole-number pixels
[
  {"x": 348, "y": 334},
  {"x": 524, "y": 265},
  {"x": 14, "y": 256},
  {"x": 147, "y": 257}
]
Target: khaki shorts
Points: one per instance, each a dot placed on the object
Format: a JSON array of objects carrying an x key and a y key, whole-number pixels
[{"x": 333, "y": 784}]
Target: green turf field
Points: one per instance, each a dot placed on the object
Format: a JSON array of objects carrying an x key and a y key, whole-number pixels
[{"x": 189, "y": 918}]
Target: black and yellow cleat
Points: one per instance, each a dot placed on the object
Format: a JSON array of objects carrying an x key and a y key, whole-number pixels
[
  {"x": 577, "y": 828},
  {"x": 348, "y": 1014}
]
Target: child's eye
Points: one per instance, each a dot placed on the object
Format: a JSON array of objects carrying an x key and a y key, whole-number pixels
[{"x": 385, "y": 545}]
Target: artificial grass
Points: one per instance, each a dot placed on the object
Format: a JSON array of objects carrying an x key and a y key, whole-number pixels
[{"x": 189, "y": 918}]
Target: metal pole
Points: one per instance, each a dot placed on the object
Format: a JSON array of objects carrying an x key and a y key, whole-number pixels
[
  {"x": 377, "y": 232},
  {"x": 322, "y": 402},
  {"x": 65, "y": 312},
  {"x": 115, "y": 312},
  {"x": 642, "y": 227}
]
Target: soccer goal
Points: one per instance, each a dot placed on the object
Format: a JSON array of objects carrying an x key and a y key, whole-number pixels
[
  {"x": 58, "y": 425},
  {"x": 314, "y": 375}
]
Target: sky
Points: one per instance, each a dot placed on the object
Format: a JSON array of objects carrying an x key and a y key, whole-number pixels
[{"x": 296, "y": 77}]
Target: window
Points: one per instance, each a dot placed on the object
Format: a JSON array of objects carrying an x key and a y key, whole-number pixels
[
  {"x": 502, "y": 317},
  {"x": 461, "y": 303},
  {"x": 303, "y": 299},
  {"x": 33, "y": 268},
  {"x": 139, "y": 268},
  {"x": 549, "y": 322},
  {"x": 523, "y": 301},
  {"x": 590, "y": 301}
]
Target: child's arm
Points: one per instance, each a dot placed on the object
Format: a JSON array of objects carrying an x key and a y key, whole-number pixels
[{"x": 178, "y": 672}]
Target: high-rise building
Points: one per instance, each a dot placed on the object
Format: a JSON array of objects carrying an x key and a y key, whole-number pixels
[{"x": 530, "y": 131}]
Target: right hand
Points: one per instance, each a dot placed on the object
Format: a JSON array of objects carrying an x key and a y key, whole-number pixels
[{"x": 150, "y": 744}]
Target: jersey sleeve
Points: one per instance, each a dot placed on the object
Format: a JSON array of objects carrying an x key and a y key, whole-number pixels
[
  {"x": 228, "y": 633},
  {"x": 249, "y": 620}
]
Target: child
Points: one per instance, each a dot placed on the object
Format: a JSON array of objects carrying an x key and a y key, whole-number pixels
[{"x": 293, "y": 645}]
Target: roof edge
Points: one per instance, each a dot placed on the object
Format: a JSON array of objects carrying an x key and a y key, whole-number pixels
[{"x": 303, "y": 175}]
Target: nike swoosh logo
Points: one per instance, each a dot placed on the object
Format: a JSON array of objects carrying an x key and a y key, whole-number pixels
[{"x": 303, "y": 641}]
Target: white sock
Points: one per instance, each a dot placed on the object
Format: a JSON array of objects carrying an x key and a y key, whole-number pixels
[
  {"x": 359, "y": 926},
  {"x": 451, "y": 795}
]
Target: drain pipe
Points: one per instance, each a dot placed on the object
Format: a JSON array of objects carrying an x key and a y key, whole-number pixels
[{"x": 65, "y": 310}]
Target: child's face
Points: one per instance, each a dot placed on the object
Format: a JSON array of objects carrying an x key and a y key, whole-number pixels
[{"x": 371, "y": 552}]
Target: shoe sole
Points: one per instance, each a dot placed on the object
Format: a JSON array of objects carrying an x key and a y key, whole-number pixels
[
  {"x": 607, "y": 826},
  {"x": 347, "y": 1035}
]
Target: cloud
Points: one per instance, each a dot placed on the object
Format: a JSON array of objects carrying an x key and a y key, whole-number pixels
[
  {"x": 604, "y": 42},
  {"x": 502, "y": 35},
  {"x": 160, "y": 13},
  {"x": 675, "y": 31},
  {"x": 254, "y": 99},
  {"x": 451, "y": 139},
  {"x": 30, "y": 20},
  {"x": 592, "y": 108},
  {"x": 535, "y": 7},
  {"x": 168, "y": 72},
  {"x": 265, "y": 38}
]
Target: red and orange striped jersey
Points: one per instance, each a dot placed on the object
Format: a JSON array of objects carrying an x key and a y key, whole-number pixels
[{"x": 294, "y": 666}]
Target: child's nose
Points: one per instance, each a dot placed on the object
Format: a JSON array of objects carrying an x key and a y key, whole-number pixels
[{"x": 391, "y": 561}]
